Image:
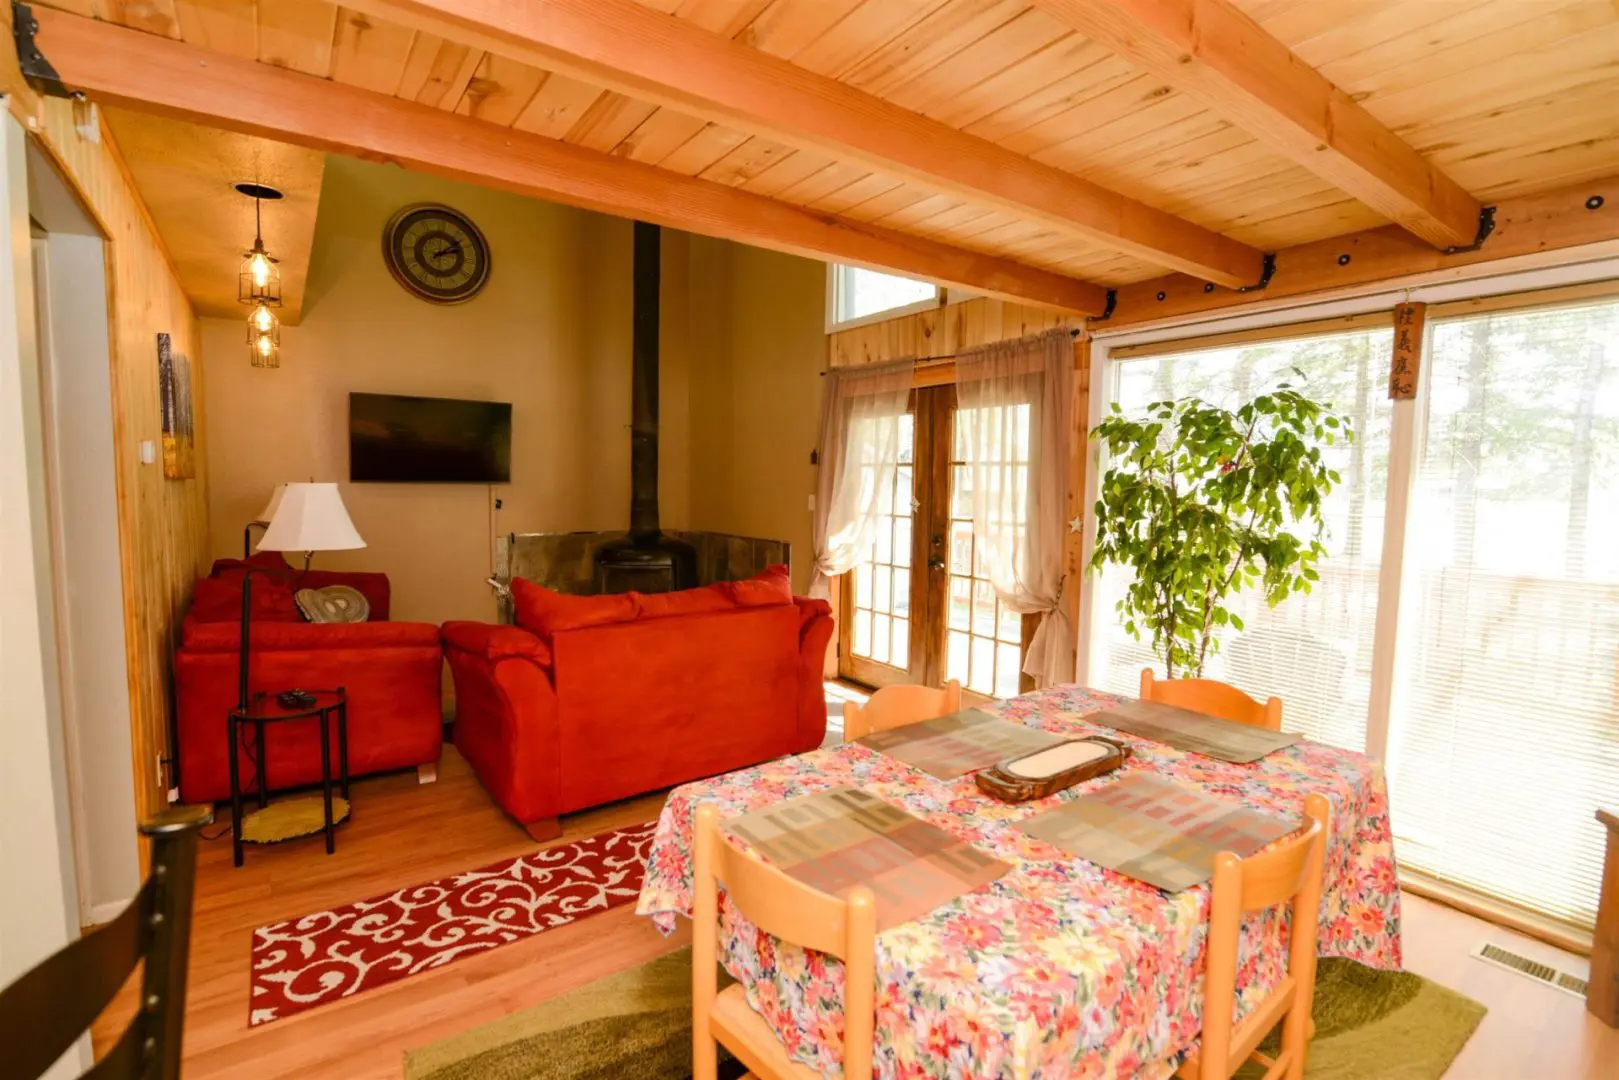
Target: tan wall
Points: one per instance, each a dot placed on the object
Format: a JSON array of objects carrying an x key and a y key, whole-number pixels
[
  {"x": 759, "y": 345},
  {"x": 742, "y": 343},
  {"x": 163, "y": 524},
  {"x": 550, "y": 334}
]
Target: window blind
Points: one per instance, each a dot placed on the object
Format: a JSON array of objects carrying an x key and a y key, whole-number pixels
[
  {"x": 1504, "y": 731},
  {"x": 1314, "y": 651}
]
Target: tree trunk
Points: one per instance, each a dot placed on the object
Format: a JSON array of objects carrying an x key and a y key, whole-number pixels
[
  {"x": 1359, "y": 477},
  {"x": 1468, "y": 446},
  {"x": 1579, "y": 474}
]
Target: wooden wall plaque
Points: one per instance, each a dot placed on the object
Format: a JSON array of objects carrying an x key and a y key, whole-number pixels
[{"x": 1409, "y": 320}]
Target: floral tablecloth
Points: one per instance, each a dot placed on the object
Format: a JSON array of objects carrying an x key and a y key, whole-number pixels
[{"x": 1059, "y": 968}]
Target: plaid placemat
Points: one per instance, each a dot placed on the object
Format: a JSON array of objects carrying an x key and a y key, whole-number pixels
[
  {"x": 1156, "y": 831},
  {"x": 1187, "y": 730},
  {"x": 958, "y": 744},
  {"x": 837, "y": 839}
]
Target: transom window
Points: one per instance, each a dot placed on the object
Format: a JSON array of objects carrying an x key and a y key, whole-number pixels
[{"x": 860, "y": 295}]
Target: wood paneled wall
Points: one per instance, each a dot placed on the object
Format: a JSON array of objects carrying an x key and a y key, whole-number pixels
[
  {"x": 162, "y": 524},
  {"x": 941, "y": 331}
]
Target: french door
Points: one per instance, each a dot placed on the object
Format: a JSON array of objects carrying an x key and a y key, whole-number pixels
[{"x": 918, "y": 607}]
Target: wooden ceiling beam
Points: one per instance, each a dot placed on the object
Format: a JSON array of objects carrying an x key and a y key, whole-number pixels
[
  {"x": 629, "y": 48},
  {"x": 1573, "y": 224},
  {"x": 156, "y": 74},
  {"x": 1215, "y": 53}
]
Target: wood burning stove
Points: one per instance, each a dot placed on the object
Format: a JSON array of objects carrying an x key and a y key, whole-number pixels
[{"x": 646, "y": 560}]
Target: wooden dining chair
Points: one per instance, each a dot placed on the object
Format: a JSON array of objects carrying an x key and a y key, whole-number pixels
[
  {"x": 1289, "y": 870},
  {"x": 794, "y": 912},
  {"x": 1212, "y": 698},
  {"x": 52, "y": 1005},
  {"x": 896, "y": 706}
]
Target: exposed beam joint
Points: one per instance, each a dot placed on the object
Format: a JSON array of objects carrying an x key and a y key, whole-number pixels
[
  {"x": 156, "y": 74},
  {"x": 624, "y": 46},
  {"x": 1215, "y": 53},
  {"x": 1576, "y": 223}
]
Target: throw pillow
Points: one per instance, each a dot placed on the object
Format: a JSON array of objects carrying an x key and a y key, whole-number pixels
[
  {"x": 769, "y": 587},
  {"x": 220, "y": 600},
  {"x": 333, "y": 604},
  {"x": 544, "y": 612}
]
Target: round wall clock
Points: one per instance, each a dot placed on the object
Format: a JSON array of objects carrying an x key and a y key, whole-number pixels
[{"x": 436, "y": 253}]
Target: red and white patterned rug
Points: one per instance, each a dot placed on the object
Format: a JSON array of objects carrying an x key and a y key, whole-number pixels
[{"x": 319, "y": 958}]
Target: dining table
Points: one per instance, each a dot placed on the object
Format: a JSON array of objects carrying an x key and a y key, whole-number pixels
[{"x": 1058, "y": 967}]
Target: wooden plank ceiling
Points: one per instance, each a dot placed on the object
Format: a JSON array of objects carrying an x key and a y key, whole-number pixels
[
  {"x": 186, "y": 175},
  {"x": 1500, "y": 98}
]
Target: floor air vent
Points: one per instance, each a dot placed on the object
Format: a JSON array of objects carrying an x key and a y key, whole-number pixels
[{"x": 1534, "y": 969}]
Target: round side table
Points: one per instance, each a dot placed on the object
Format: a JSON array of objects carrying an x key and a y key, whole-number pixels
[{"x": 265, "y": 709}]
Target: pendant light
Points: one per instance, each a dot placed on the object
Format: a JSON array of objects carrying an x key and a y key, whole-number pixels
[{"x": 258, "y": 285}]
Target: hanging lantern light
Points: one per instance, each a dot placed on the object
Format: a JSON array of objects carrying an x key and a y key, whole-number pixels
[
  {"x": 259, "y": 281},
  {"x": 264, "y": 337},
  {"x": 258, "y": 285}
]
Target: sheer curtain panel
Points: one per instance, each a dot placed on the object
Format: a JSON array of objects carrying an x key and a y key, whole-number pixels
[
  {"x": 1014, "y": 424},
  {"x": 861, "y": 414}
]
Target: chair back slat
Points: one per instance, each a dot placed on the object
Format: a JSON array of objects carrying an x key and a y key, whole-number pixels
[
  {"x": 52, "y": 1005},
  {"x": 896, "y": 706},
  {"x": 793, "y": 912},
  {"x": 778, "y": 904},
  {"x": 46, "y": 1011},
  {"x": 1211, "y": 697},
  {"x": 1290, "y": 871},
  {"x": 1277, "y": 875}
]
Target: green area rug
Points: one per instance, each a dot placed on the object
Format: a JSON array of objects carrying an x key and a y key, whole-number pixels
[{"x": 636, "y": 1025}]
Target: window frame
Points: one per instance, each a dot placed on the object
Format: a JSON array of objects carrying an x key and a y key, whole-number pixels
[{"x": 833, "y": 324}]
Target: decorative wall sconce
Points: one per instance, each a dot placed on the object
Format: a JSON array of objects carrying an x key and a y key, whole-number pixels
[{"x": 258, "y": 285}]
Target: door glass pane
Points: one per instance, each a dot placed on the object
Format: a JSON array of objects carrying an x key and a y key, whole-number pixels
[
  {"x": 978, "y": 659},
  {"x": 1504, "y": 734},
  {"x": 1314, "y": 650},
  {"x": 882, "y": 592}
]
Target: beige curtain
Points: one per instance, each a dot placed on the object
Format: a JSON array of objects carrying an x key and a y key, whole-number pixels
[
  {"x": 861, "y": 409},
  {"x": 1014, "y": 425}
]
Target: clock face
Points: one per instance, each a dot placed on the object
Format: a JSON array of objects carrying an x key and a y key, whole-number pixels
[{"x": 436, "y": 253}]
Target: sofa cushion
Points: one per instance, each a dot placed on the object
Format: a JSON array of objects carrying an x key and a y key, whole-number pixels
[
  {"x": 716, "y": 597},
  {"x": 288, "y": 636},
  {"x": 219, "y": 599},
  {"x": 771, "y": 586},
  {"x": 542, "y": 611},
  {"x": 272, "y": 562}
]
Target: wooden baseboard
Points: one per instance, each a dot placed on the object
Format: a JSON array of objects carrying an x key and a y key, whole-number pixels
[{"x": 1562, "y": 935}]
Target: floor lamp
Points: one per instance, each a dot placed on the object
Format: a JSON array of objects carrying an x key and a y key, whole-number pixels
[{"x": 303, "y": 517}]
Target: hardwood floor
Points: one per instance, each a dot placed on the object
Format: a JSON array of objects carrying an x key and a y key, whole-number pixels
[{"x": 403, "y": 834}]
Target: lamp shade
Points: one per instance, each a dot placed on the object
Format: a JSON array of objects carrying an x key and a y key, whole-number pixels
[
  {"x": 267, "y": 515},
  {"x": 310, "y": 517}
]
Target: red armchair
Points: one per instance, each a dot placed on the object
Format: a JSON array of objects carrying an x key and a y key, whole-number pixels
[
  {"x": 619, "y": 695},
  {"x": 392, "y": 673}
]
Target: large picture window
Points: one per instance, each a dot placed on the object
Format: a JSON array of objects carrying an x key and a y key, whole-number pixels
[
  {"x": 1477, "y": 646},
  {"x": 1504, "y": 734},
  {"x": 1314, "y": 651}
]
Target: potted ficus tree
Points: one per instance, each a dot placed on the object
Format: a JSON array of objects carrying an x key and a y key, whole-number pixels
[{"x": 1200, "y": 502}]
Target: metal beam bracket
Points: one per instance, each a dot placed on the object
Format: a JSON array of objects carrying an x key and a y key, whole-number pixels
[
  {"x": 1107, "y": 309},
  {"x": 1486, "y": 226},
  {"x": 1267, "y": 271},
  {"x": 33, "y": 64}
]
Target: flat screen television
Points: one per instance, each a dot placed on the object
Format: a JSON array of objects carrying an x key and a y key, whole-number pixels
[{"x": 397, "y": 439}]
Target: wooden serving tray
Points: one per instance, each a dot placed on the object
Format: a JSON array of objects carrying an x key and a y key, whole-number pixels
[{"x": 1046, "y": 772}]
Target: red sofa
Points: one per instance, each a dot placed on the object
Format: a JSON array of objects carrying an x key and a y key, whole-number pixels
[
  {"x": 593, "y": 699},
  {"x": 392, "y": 673}
]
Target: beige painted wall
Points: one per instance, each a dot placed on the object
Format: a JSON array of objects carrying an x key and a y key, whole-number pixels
[
  {"x": 758, "y": 347},
  {"x": 549, "y": 334},
  {"x": 742, "y": 342}
]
